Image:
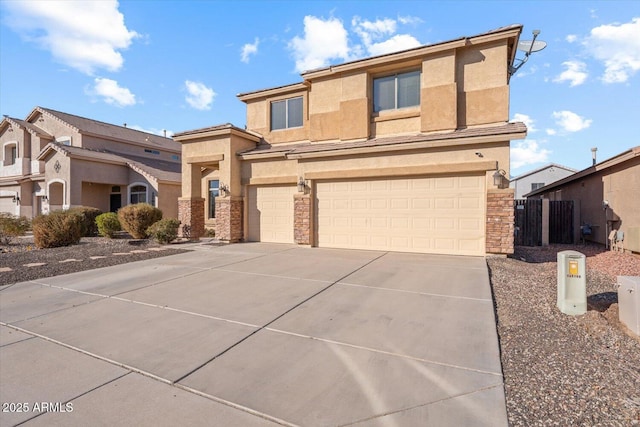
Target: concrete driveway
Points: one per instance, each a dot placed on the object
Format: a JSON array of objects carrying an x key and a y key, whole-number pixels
[{"x": 255, "y": 334}]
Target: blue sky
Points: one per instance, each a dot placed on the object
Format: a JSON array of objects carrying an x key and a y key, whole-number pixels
[{"x": 178, "y": 65}]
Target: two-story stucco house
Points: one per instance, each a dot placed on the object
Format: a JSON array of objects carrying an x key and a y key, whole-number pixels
[
  {"x": 53, "y": 160},
  {"x": 401, "y": 152}
]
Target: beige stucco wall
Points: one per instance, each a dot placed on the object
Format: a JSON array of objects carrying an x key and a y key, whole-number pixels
[
  {"x": 168, "y": 195},
  {"x": 460, "y": 87},
  {"x": 618, "y": 185},
  {"x": 56, "y": 128}
]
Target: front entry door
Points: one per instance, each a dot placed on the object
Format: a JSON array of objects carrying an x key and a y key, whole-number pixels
[{"x": 115, "y": 202}]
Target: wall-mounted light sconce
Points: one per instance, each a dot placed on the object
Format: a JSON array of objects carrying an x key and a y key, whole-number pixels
[
  {"x": 45, "y": 198},
  {"x": 224, "y": 189},
  {"x": 301, "y": 185},
  {"x": 16, "y": 199},
  {"x": 498, "y": 177}
]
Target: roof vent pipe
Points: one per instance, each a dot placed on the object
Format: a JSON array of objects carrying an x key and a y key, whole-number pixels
[{"x": 593, "y": 155}]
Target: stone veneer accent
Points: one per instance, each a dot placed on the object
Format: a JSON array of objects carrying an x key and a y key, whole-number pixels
[
  {"x": 229, "y": 219},
  {"x": 191, "y": 216},
  {"x": 302, "y": 219},
  {"x": 500, "y": 221}
]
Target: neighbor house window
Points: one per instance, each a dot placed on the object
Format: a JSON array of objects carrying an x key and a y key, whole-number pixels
[
  {"x": 536, "y": 185},
  {"x": 286, "y": 114},
  {"x": 396, "y": 91},
  {"x": 214, "y": 191},
  {"x": 138, "y": 194},
  {"x": 13, "y": 155}
]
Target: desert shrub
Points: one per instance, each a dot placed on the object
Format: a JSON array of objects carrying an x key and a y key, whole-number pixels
[
  {"x": 108, "y": 224},
  {"x": 12, "y": 226},
  {"x": 209, "y": 232},
  {"x": 136, "y": 219},
  {"x": 164, "y": 231},
  {"x": 88, "y": 221},
  {"x": 59, "y": 228}
]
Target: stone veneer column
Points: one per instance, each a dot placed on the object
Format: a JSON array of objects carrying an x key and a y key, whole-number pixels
[
  {"x": 191, "y": 216},
  {"x": 229, "y": 219},
  {"x": 500, "y": 221},
  {"x": 302, "y": 219}
]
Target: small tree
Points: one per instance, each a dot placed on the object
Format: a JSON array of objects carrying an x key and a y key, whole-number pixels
[
  {"x": 59, "y": 228},
  {"x": 12, "y": 226},
  {"x": 108, "y": 224},
  {"x": 136, "y": 219},
  {"x": 164, "y": 231}
]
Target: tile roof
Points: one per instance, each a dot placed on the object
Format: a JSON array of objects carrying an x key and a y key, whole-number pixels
[
  {"x": 155, "y": 169},
  {"x": 400, "y": 141},
  {"x": 29, "y": 126},
  {"x": 107, "y": 130}
]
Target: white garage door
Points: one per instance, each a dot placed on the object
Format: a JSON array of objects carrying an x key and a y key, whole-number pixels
[
  {"x": 271, "y": 214},
  {"x": 442, "y": 215},
  {"x": 7, "y": 205}
]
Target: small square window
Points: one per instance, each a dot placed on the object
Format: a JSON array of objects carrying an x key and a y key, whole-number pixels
[
  {"x": 536, "y": 185},
  {"x": 287, "y": 113}
]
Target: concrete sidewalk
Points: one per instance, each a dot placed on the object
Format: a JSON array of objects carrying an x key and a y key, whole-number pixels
[{"x": 255, "y": 334}]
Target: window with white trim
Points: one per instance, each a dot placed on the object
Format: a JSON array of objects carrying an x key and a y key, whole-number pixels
[
  {"x": 10, "y": 153},
  {"x": 396, "y": 91},
  {"x": 214, "y": 191},
  {"x": 286, "y": 114},
  {"x": 138, "y": 194}
]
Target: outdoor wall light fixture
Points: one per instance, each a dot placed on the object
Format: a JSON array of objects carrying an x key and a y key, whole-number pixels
[
  {"x": 224, "y": 189},
  {"x": 16, "y": 199},
  {"x": 301, "y": 185},
  {"x": 45, "y": 198},
  {"x": 498, "y": 177}
]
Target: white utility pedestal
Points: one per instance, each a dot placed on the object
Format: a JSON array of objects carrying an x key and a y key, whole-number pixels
[
  {"x": 572, "y": 282},
  {"x": 629, "y": 302}
]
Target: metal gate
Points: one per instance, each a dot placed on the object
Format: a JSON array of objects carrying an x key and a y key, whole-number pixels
[
  {"x": 528, "y": 219},
  {"x": 561, "y": 221}
]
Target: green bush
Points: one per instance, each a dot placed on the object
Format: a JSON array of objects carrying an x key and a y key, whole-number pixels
[
  {"x": 59, "y": 228},
  {"x": 136, "y": 219},
  {"x": 12, "y": 226},
  {"x": 108, "y": 224},
  {"x": 88, "y": 222},
  {"x": 164, "y": 231}
]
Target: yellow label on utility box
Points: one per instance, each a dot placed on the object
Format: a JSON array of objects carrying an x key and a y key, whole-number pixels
[{"x": 573, "y": 268}]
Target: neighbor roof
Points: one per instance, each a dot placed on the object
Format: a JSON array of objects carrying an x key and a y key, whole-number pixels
[
  {"x": 106, "y": 130},
  {"x": 550, "y": 165},
  {"x": 154, "y": 169},
  {"x": 615, "y": 160}
]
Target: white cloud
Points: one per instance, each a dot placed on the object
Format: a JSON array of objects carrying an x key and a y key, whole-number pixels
[
  {"x": 372, "y": 34},
  {"x": 618, "y": 47},
  {"x": 85, "y": 35},
  {"x": 528, "y": 121},
  {"x": 112, "y": 93},
  {"x": 154, "y": 131},
  {"x": 575, "y": 74},
  {"x": 571, "y": 38},
  {"x": 248, "y": 50},
  {"x": 570, "y": 121},
  {"x": 528, "y": 152},
  {"x": 412, "y": 20},
  {"x": 200, "y": 96},
  {"x": 323, "y": 41},
  {"x": 551, "y": 131},
  {"x": 394, "y": 44}
]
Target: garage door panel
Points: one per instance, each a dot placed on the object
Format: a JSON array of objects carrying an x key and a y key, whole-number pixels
[
  {"x": 270, "y": 216},
  {"x": 429, "y": 214}
]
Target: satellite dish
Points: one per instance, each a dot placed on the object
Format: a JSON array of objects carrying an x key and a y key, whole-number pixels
[
  {"x": 528, "y": 47},
  {"x": 531, "y": 45}
]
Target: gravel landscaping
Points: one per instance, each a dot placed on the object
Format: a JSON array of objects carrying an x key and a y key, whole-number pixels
[
  {"x": 21, "y": 261},
  {"x": 565, "y": 370}
]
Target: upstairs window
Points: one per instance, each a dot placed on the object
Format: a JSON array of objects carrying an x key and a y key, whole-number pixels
[
  {"x": 286, "y": 114},
  {"x": 536, "y": 185},
  {"x": 396, "y": 91},
  {"x": 13, "y": 155}
]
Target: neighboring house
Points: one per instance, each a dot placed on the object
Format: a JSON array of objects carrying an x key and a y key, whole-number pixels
[
  {"x": 538, "y": 178},
  {"x": 54, "y": 160},
  {"x": 606, "y": 196},
  {"x": 395, "y": 153}
]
